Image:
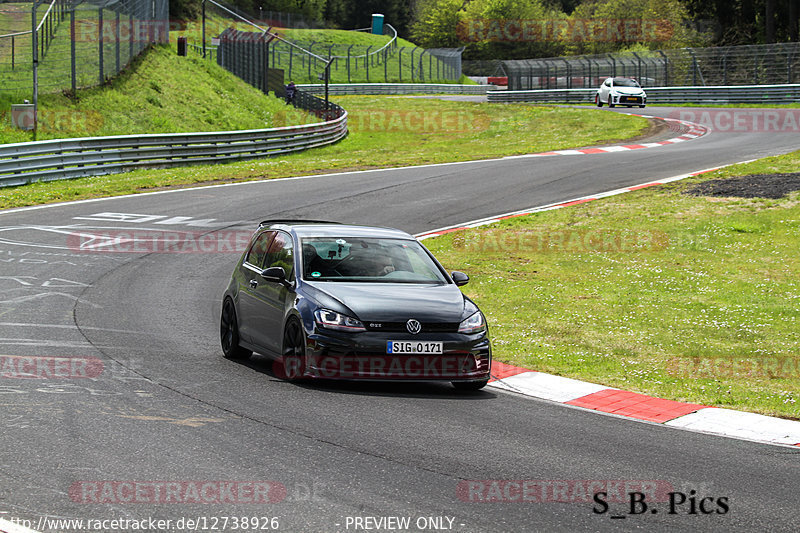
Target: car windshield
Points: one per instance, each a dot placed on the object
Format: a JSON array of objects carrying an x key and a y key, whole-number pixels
[
  {"x": 625, "y": 82},
  {"x": 368, "y": 260}
]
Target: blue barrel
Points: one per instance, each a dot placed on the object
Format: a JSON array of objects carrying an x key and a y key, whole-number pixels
[{"x": 377, "y": 24}]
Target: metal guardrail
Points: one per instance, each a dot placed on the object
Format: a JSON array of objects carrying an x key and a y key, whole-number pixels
[
  {"x": 734, "y": 94},
  {"x": 397, "y": 88},
  {"x": 23, "y": 163}
]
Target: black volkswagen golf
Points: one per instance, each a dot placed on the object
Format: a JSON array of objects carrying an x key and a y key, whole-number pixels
[{"x": 336, "y": 301}]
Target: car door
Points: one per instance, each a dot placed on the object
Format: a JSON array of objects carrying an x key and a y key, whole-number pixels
[
  {"x": 270, "y": 297},
  {"x": 249, "y": 278},
  {"x": 605, "y": 89}
]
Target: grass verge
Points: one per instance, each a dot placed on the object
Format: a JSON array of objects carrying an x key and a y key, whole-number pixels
[
  {"x": 384, "y": 132},
  {"x": 682, "y": 297}
]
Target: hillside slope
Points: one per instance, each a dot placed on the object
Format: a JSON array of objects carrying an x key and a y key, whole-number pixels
[{"x": 159, "y": 92}]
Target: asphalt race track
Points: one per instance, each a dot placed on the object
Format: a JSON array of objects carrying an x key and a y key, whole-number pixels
[{"x": 149, "y": 420}]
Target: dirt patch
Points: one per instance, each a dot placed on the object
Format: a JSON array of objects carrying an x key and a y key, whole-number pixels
[
  {"x": 755, "y": 186},
  {"x": 657, "y": 130}
]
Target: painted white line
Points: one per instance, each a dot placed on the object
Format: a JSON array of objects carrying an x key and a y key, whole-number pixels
[
  {"x": 548, "y": 386},
  {"x": 67, "y": 326},
  {"x": 750, "y": 426}
]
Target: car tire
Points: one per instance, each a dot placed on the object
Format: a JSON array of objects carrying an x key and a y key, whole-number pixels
[
  {"x": 293, "y": 354},
  {"x": 641, "y": 106},
  {"x": 229, "y": 333},
  {"x": 469, "y": 385},
  {"x": 610, "y": 102},
  {"x": 597, "y": 101}
]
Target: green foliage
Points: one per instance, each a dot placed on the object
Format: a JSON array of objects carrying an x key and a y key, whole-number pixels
[{"x": 632, "y": 24}]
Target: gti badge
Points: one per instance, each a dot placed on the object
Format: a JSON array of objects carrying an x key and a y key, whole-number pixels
[{"x": 413, "y": 326}]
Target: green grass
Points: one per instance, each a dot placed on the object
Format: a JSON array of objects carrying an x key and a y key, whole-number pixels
[
  {"x": 384, "y": 132},
  {"x": 689, "y": 298},
  {"x": 160, "y": 93}
]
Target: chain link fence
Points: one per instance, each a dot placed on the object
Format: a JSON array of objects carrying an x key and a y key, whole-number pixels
[
  {"x": 304, "y": 61},
  {"x": 767, "y": 64},
  {"x": 72, "y": 44}
]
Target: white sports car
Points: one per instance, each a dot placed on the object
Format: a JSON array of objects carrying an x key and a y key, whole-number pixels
[{"x": 620, "y": 91}]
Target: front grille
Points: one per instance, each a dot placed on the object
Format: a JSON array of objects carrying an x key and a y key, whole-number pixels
[{"x": 400, "y": 327}]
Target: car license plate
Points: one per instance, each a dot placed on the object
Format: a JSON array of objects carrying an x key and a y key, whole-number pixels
[{"x": 413, "y": 347}]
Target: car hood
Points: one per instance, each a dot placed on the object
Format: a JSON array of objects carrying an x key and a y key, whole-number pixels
[
  {"x": 392, "y": 302},
  {"x": 629, "y": 90}
]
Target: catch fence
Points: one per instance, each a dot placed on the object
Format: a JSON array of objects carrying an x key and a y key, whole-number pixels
[
  {"x": 303, "y": 59},
  {"x": 71, "y": 44},
  {"x": 767, "y": 64}
]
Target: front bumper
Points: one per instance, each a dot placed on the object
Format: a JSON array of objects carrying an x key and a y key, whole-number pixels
[
  {"x": 362, "y": 356},
  {"x": 626, "y": 99}
]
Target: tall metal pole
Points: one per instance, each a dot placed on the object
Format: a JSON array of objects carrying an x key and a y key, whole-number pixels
[
  {"x": 35, "y": 68},
  {"x": 72, "y": 64},
  {"x": 327, "y": 75},
  {"x": 204, "y": 29}
]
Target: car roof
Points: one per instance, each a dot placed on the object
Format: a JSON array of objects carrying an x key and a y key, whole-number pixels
[{"x": 317, "y": 228}]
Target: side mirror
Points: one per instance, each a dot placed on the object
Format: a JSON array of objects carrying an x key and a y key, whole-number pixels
[
  {"x": 276, "y": 274},
  {"x": 459, "y": 278}
]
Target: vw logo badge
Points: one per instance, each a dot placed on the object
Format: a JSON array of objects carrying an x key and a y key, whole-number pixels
[{"x": 413, "y": 326}]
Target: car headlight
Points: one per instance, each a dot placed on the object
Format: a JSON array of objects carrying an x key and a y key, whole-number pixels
[
  {"x": 474, "y": 324},
  {"x": 337, "y": 321}
]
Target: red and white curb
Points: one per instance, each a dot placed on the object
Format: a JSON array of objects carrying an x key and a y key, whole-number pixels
[
  {"x": 691, "y": 416},
  {"x": 692, "y": 131}
]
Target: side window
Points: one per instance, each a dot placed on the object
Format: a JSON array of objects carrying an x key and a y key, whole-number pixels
[
  {"x": 257, "y": 252},
  {"x": 281, "y": 254}
]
